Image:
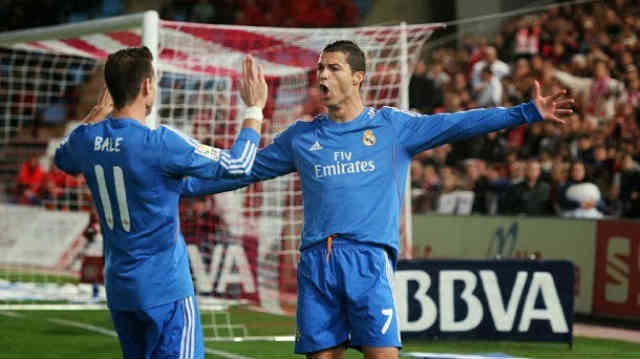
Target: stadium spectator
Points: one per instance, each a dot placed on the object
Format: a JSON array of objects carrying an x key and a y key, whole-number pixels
[
  {"x": 598, "y": 95},
  {"x": 493, "y": 148},
  {"x": 629, "y": 186},
  {"x": 532, "y": 141},
  {"x": 630, "y": 99},
  {"x": 452, "y": 199},
  {"x": 429, "y": 187},
  {"x": 585, "y": 149},
  {"x": 30, "y": 181},
  {"x": 437, "y": 74},
  {"x": 579, "y": 198},
  {"x": 424, "y": 94},
  {"x": 491, "y": 62},
  {"x": 527, "y": 37},
  {"x": 530, "y": 197},
  {"x": 488, "y": 90},
  {"x": 475, "y": 179},
  {"x": 203, "y": 11},
  {"x": 602, "y": 168}
]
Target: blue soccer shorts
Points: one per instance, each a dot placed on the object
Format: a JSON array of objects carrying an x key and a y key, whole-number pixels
[
  {"x": 167, "y": 331},
  {"x": 345, "y": 295}
]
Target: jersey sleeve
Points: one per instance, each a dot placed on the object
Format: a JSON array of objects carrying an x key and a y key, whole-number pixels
[
  {"x": 63, "y": 158},
  {"x": 184, "y": 156},
  {"x": 272, "y": 161},
  {"x": 418, "y": 132}
]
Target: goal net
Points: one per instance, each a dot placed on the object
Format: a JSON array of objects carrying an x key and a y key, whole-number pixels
[{"x": 243, "y": 245}]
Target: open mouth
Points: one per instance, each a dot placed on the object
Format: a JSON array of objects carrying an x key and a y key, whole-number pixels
[{"x": 324, "y": 89}]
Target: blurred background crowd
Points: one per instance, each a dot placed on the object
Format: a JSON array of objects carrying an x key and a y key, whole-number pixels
[
  {"x": 23, "y": 14},
  {"x": 587, "y": 168}
]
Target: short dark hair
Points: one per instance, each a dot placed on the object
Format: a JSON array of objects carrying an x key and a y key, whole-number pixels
[
  {"x": 124, "y": 73},
  {"x": 354, "y": 54}
]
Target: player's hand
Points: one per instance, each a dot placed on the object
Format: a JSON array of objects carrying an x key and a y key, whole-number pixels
[
  {"x": 552, "y": 107},
  {"x": 253, "y": 88},
  {"x": 102, "y": 108}
]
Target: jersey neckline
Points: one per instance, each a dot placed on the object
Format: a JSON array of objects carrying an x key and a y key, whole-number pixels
[
  {"x": 363, "y": 116},
  {"x": 124, "y": 120}
]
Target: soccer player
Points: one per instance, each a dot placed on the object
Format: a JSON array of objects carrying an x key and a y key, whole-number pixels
[
  {"x": 353, "y": 165},
  {"x": 135, "y": 175}
]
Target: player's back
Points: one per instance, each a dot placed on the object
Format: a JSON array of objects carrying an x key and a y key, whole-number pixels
[{"x": 137, "y": 201}]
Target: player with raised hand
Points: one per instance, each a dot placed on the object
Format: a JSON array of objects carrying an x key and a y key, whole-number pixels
[
  {"x": 353, "y": 164},
  {"x": 135, "y": 176}
]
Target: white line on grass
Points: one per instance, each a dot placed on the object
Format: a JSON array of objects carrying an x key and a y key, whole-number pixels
[
  {"x": 448, "y": 356},
  {"x": 89, "y": 327},
  {"x": 111, "y": 333},
  {"x": 12, "y": 314},
  {"x": 224, "y": 354}
]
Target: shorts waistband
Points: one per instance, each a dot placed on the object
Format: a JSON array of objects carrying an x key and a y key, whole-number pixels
[{"x": 337, "y": 240}]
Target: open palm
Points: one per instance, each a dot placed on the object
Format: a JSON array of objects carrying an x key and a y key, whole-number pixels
[{"x": 553, "y": 107}]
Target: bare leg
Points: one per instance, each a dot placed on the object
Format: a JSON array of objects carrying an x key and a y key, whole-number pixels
[
  {"x": 331, "y": 353},
  {"x": 381, "y": 352}
]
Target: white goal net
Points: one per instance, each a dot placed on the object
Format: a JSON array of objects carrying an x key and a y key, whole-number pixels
[{"x": 242, "y": 244}]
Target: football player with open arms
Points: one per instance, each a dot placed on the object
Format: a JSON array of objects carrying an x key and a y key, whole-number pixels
[
  {"x": 353, "y": 164},
  {"x": 135, "y": 175}
]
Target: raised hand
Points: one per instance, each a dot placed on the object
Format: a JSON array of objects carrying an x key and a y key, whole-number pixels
[
  {"x": 102, "y": 108},
  {"x": 552, "y": 107},
  {"x": 253, "y": 88}
]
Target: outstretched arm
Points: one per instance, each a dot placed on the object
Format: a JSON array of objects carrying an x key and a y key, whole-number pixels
[
  {"x": 273, "y": 161},
  {"x": 420, "y": 132}
]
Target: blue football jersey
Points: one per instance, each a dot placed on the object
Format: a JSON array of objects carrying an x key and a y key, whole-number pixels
[
  {"x": 135, "y": 176},
  {"x": 353, "y": 174}
]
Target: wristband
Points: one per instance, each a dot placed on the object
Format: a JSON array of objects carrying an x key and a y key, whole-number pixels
[{"x": 253, "y": 113}]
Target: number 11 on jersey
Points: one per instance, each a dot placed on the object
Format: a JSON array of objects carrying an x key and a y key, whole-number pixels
[{"x": 121, "y": 195}]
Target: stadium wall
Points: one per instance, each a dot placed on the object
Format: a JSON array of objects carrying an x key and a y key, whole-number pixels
[{"x": 605, "y": 253}]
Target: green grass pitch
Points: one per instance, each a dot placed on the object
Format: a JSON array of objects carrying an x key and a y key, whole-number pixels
[{"x": 80, "y": 334}]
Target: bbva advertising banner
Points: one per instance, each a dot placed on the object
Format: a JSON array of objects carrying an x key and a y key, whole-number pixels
[
  {"x": 497, "y": 299},
  {"x": 487, "y": 237}
]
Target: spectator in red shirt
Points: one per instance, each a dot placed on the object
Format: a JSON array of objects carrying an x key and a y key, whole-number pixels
[{"x": 30, "y": 181}]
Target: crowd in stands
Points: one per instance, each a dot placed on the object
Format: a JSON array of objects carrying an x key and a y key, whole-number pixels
[
  {"x": 587, "y": 168},
  {"x": 23, "y": 14},
  {"x": 46, "y": 185},
  {"x": 300, "y": 13}
]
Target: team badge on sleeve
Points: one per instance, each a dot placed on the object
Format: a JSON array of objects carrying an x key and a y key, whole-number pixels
[
  {"x": 368, "y": 138},
  {"x": 208, "y": 151}
]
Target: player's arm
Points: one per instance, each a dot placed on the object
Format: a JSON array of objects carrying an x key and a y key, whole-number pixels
[
  {"x": 420, "y": 132},
  {"x": 184, "y": 156},
  {"x": 63, "y": 158},
  {"x": 272, "y": 161},
  {"x": 181, "y": 155}
]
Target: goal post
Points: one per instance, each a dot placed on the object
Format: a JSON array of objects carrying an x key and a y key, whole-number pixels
[{"x": 243, "y": 245}]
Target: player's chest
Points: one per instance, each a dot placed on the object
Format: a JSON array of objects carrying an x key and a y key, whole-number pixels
[{"x": 338, "y": 156}]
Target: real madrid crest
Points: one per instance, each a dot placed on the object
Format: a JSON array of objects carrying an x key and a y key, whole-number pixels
[{"x": 368, "y": 138}]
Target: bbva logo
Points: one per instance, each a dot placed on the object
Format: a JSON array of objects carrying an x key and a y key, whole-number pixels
[
  {"x": 229, "y": 266},
  {"x": 503, "y": 315}
]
